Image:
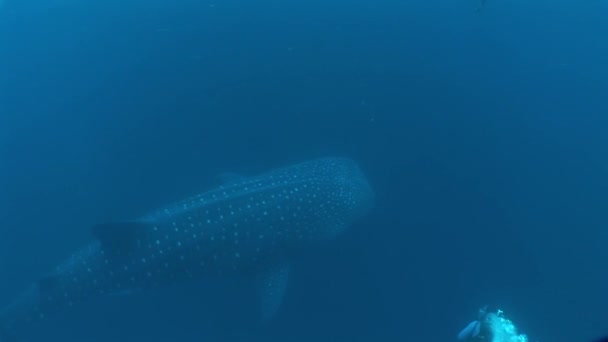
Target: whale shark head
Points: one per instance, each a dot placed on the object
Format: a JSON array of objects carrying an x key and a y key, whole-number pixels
[
  {"x": 355, "y": 188},
  {"x": 350, "y": 191}
]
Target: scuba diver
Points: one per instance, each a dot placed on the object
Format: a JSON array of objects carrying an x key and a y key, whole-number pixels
[
  {"x": 491, "y": 326},
  {"x": 478, "y": 330}
]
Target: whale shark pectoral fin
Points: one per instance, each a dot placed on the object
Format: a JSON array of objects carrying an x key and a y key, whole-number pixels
[
  {"x": 271, "y": 286},
  {"x": 119, "y": 235}
]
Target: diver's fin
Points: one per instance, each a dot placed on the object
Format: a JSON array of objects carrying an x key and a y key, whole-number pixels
[
  {"x": 230, "y": 177},
  {"x": 470, "y": 331},
  {"x": 271, "y": 286},
  {"x": 119, "y": 235}
]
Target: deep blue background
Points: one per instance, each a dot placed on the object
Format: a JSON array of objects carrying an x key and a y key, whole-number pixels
[{"x": 484, "y": 135}]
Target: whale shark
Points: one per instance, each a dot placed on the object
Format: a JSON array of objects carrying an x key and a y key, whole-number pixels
[{"x": 252, "y": 226}]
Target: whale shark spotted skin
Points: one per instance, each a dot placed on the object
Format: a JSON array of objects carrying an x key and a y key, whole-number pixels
[{"x": 248, "y": 226}]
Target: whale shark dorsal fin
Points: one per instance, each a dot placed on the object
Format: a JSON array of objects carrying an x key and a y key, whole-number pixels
[
  {"x": 271, "y": 286},
  {"x": 119, "y": 235}
]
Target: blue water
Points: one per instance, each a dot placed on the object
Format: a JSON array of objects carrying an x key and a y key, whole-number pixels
[{"x": 482, "y": 133}]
